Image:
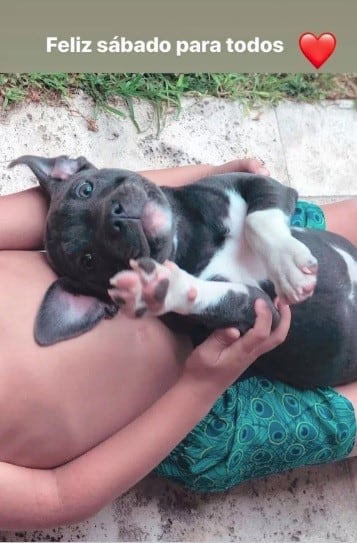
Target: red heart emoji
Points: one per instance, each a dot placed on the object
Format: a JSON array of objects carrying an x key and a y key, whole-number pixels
[{"x": 317, "y": 49}]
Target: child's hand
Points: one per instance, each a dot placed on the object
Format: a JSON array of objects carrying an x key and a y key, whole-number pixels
[
  {"x": 250, "y": 165},
  {"x": 224, "y": 356}
]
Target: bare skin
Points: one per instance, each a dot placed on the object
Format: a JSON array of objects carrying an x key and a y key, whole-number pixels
[
  {"x": 73, "y": 395},
  {"x": 50, "y": 397},
  {"x": 103, "y": 390},
  {"x": 341, "y": 217},
  {"x": 33, "y": 498}
]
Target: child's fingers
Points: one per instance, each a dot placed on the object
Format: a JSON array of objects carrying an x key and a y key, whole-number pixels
[
  {"x": 222, "y": 350},
  {"x": 281, "y": 331},
  {"x": 260, "y": 339},
  {"x": 278, "y": 335},
  {"x": 227, "y": 336},
  {"x": 211, "y": 349},
  {"x": 261, "y": 329}
]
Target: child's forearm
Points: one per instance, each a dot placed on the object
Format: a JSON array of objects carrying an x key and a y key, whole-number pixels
[
  {"x": 182, "y": 175},
  {"x": 32, "y": 498},
  {"x": 22, "y": 219},
  {"x": 116, "y": 465},
  {"x": 23, "y": 215}
]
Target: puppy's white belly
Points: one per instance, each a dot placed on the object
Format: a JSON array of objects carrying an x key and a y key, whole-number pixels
[
  {"x": 237, "y": 263},
  {"x": 351, "y": 270},
  {"x": 235, "y": 260}
]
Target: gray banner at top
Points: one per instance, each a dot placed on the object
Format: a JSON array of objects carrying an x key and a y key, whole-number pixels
[{"x": 178, "y": 36}]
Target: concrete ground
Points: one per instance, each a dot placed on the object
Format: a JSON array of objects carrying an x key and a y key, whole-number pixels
[{"x": 310, "y": 147}]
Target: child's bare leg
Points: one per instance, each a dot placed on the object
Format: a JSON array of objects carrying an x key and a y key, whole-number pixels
[
  {"x": 349, "y": 391},
  {"x": 341, "y": 218}
]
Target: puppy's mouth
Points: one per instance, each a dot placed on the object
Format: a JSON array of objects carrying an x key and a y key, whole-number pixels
[
  {"x": 132, "y": 239},
  {"x": 151, "y": 222}
]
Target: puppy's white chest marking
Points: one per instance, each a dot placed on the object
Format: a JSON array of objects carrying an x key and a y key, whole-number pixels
[
  {"x": 235, "y": 260},
  {"x": 351, "y": 270}
]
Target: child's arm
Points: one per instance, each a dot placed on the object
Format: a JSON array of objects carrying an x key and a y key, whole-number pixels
[
  {"x": 33, "y": 498},
  {"x": 179, "y": 176},
  {"x": 183, "y": 175},
  {"x": 22, "y": 219},
  {"x": 23, "y": 215}
]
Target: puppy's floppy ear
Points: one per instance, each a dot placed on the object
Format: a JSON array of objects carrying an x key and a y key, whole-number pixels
[
  {"x": 51, "y": 170},
  {"x": 64, "y": 315}
]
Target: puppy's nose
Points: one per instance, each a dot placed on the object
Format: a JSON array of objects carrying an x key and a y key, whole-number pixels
[
  {"x": 117, "y": 215},
  {"x": 121, "y": 216},
  {"x": 117, "y": 210}
]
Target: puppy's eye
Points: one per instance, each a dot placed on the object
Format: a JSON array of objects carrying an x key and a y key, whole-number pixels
[
  {"x": 84, "y": 190},
  {"x": 87, "y": 261}
]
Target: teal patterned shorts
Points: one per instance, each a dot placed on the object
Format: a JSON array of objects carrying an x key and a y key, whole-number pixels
[
  {"x": 261, "y": 426},
  {"x": 308, "y": 215}
]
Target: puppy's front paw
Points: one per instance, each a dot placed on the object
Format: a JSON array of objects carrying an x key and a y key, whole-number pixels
[{"x": 150, "y": 288}]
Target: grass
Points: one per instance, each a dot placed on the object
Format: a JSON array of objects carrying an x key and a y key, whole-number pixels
[{"x": 165, "y": 90}]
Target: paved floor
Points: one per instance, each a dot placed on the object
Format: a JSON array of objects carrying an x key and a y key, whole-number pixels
[{"x": 310, "y": 147}]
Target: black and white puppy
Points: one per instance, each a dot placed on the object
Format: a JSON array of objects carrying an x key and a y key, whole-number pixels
[{"x": 230, "y": 239}]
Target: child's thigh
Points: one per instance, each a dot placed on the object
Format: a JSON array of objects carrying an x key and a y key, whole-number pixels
[
  {"x": 260, "y": 427},
  {"x": 341, "y": 218}
]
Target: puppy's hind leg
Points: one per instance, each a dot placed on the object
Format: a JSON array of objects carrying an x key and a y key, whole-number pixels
[{"x": 289, "y": 263}]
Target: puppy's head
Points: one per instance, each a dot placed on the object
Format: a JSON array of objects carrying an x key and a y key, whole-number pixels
[{"x": 98, "y": 220}]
